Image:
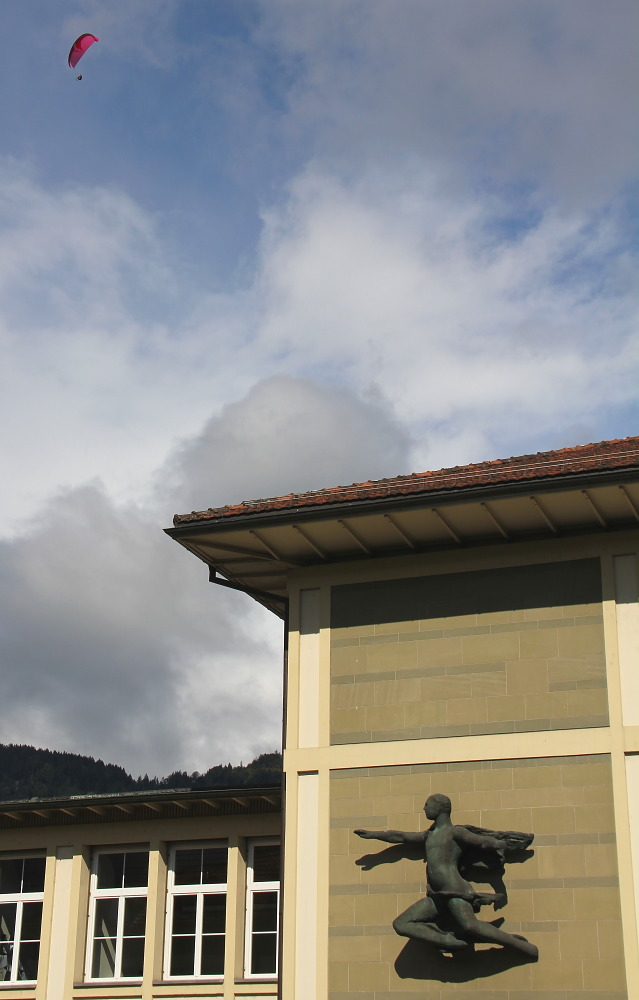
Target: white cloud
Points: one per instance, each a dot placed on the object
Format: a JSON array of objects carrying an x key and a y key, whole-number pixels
[
  {"x": 287, "y": 435},
  {"x": 480, "y": 335},
  {"x": 534, "y": 92},
  {"x": 103, "y": 364},
  {"x": 389, "y": 281},
  {"x": 73, "y": 265}
]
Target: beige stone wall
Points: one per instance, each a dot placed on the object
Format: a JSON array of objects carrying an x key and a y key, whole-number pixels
[
  {"x": 510, "y": 650},
  {"x": 565, "y": 897}
]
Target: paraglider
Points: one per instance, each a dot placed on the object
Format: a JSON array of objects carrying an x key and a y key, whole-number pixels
[{"x": 78, "y": 49}]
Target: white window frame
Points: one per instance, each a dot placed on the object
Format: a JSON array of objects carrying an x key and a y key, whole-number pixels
[
  {"x": 20, "y": 898},
  {"x": 121, "y": 894},
  {"x": 252, "y": 888},
  {"x": 200, "y": 890}
]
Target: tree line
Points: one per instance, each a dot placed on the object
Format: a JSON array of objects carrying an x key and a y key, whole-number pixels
[{"x": 29, "y": 772}]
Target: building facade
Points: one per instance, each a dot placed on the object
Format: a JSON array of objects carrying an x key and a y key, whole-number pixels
[
  {"x": 141, "y": 896},
  {"x": 472, "y": 633}
]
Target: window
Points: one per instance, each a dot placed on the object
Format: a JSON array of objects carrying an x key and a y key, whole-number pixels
[
  {"x": 262, "y": 908},
  {"x": 21, "y": 894},
  {"x": 196, "y": 911},
  {"x": 117, "y": 914}
]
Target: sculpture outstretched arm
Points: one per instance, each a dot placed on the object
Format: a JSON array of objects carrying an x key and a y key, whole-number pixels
[
  {"x": 484, "y": 841},
  {"x": 391, "y": 836}
]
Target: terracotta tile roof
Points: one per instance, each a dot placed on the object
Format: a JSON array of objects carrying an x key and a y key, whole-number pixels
[{"x": 601, "y": 457}]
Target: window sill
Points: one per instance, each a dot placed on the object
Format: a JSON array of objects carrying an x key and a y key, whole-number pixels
[
  {"x": 258, "y": 981},
  {"x": 191, "y": 981},
  {"x": 208, "y": 980},
  {"x": 96, "y": 984}
]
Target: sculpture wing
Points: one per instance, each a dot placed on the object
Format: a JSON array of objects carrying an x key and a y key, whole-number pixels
[{"x": 513, "y": 840}]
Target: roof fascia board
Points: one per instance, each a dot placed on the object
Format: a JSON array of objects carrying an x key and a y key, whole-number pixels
[
  {"x": 410, "y": 501},
  {"x": 187, "y": 795}
]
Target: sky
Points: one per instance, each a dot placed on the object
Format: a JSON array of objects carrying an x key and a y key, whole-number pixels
[{"x": 266, "y": 246}]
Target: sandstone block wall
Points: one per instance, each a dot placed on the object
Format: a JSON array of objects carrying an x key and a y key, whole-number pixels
[
  {"x": 564, "y": 898},
  {"x": 509, "y": 650}
]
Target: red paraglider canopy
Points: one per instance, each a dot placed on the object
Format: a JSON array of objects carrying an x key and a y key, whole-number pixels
[{"x": 79, "y": 47}]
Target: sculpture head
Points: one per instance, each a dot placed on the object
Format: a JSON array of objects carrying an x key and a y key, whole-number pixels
[{"x": 436, "y": 804}]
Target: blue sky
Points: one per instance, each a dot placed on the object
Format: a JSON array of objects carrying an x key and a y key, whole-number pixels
[{"x": 252, "y": 230}]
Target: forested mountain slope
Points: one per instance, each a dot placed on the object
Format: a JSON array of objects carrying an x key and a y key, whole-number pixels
[{"x": 28, "y": 772}]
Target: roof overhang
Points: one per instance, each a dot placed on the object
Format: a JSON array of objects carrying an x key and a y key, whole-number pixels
[
  {"x": 165, "y": 804},
  {"x": 255, "y": 551}
]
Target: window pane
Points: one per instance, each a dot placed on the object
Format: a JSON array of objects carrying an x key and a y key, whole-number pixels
[
  {"x": 6, "y": 957},
  {"x": 135, "y": 917},
  {"x": 7, "y": 921},
  {"x": 28, "y": 960},
  {"x": 110, "y": 869},
  {"x": 265, "y": 911},
  {"x": 106, "y": 918},
  {"x": 266, "y": 863},
  {"x": 136, "y": 868},
  {"x": 103, "y": 959},
  {"x": 184, "y": 909},
  {"x": 31, "y": 921},
  {"x": 214, "y": 915},
  {"x": 188, "y": 867},
  {"x": 182, "y": 956},
  {"x": 33, "y": 879},
  {"x": 11, "y": 875},
  {"x": 213, "y": 956},
  {"x": 133, "y": 957},
  {"x": 214, "y": 865},
  {"x": 264, "y": 954}
]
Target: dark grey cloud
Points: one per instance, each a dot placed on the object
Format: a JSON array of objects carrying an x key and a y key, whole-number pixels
[
  {"x": 112, "y": 642},
  {"x": 101, "y": 624}
]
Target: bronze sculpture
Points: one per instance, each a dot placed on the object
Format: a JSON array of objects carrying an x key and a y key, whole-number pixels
[{"x": 450, "y": 899}]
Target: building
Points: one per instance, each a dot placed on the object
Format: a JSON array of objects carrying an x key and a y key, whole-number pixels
[
  {"x": 472, "y": 632},
  {"x": 141, "y": 895}
]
